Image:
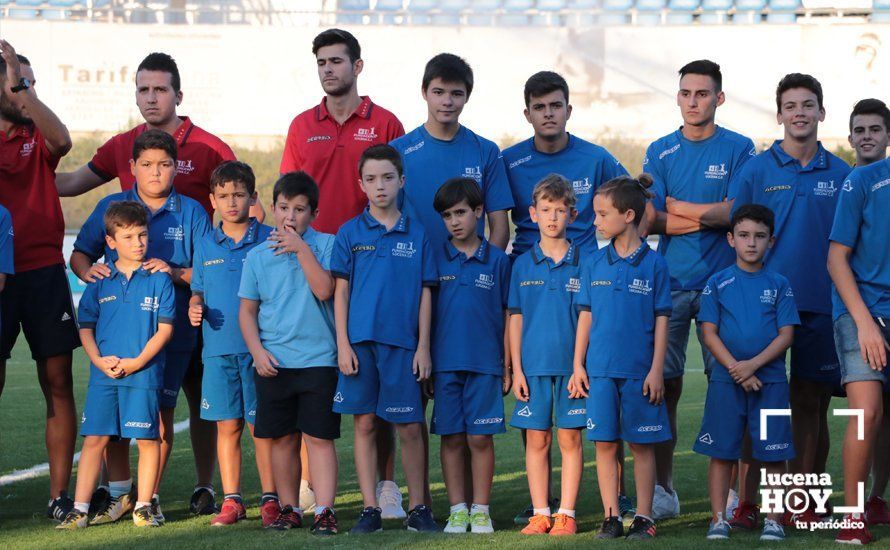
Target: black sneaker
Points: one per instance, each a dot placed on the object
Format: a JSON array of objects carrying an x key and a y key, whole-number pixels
[
  {"x": 368, "y": 522},
  {"x": 522, "y": 517},
  {"x": 203, "y": 503},
  {"x": 325, "y": 524},
  {"x": 287, "y": 519},
  {"x": 612, "y": 528},
  {"x": 641, "y": 529},
  {"x": 60, "y": 506},
  {"x": 101, "y": 500},
  {"x": 420, "y": 519}
]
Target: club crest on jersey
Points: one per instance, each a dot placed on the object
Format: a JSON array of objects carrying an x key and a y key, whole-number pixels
[
  {"x": 184, "y": 167},
  {"x": 769, "y": 296},
  {"x": 574, "y": 284},
  {"x": 582, "y": 187},
  {"x": 404, "y": 250},
  {"x": 365, "y": 134},
  {"x": 640, "y": 286},
  {"x": 174, "y": 233},
  {"x": 485, "y": 281},
  {"x": 28, "y": 148},
  {"x": 474, "y": 172},
  {"x": 150, "y": 303},
  {"x": 716, "y": 172},
  {"x": 824, "y": 188}
]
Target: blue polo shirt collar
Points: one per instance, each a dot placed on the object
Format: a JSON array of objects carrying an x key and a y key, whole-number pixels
[
  {"x": 635, "y": 257},
  {"x": 173, "y": 203},
  {"x": 249, "y": 238},
  {"x": 115, "y": 272},
  {"x": 819, "y": 162},
  {"x": 570, "y": 258},
  {"x": 401, "y": 226},
  {"x": 480, "y": 255}
]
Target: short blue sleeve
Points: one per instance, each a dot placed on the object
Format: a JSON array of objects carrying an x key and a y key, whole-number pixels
[
  {"x": 428, "y": 267},
  {"x": 327, "y": 249},
  {"x": 786, "y": 307},
  {"x": 663, "y": 302},
  {"x": 198, "y": 269},
  {"x": 652, "y": 166},
  {"x": 582, "y": 302},
  {"x": 166, "y": 301},
  {"x": 744, "y": 155},
  {"x": 497, "y": 194},
  {"x": 741, "y": 188},
  {"x": 200, "y": 228},
  {"x": 91, "y": 237},
  {"x": 709, "y": 309},
  {"x": 7, "y": 263},
  {"x": 341, "y": 256},
  {"x": 848, "y": 212},
  {"x": 249, "y": 288},
  {"x": 610, "y": 169},
  {"x": 504, "y": 280},
  {"x": 513, "y": 302},
  {"x": 88, "y": 308}
]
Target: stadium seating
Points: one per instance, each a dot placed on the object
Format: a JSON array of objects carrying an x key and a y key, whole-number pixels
[
  {"x": 881, "y": 11},
  {"x": 748, "y": 11},
  {"x": 420, "y": 11},
  {"x": 352, "y": 6},
  {"x": 515, "y": 15},
  {"x": 681, "y": 11},
  {"x": 585, "y": 12},
  {"x": 715, "y": 11},
  {"x": 450, "y": 12},
  {"x": 483, "y": 13},
  {"x": 615, "y": 12},
  {"x": 387, "y": 9},
  {"x": 24, "y": 9},
  {"x": 782, "y": 11},
  {"x": 649, "y": 11}
]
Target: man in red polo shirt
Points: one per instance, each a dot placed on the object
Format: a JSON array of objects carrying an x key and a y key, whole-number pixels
[
  {"x": 326, "y": 141},
  {"x": 32, "y": 141},
  {"x": 199, "y": 152}
]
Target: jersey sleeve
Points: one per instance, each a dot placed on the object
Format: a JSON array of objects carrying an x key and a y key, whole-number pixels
[
  {"x": 848, "y": 212},
  {"x": 88, "y": 307},
  {"x": 91, "y": 237},
  {"x": 610, "y": 168},
  {"x": 394, "y": 129},
  {"x": 197, "y": 284},
  {"x": 291, "y": 159},
  {"x": 663, "y": 303},
  {"x": 327, "y": 250},
  {"x": 495, "y": 185},
  {"x": 104, "y": 162},
  {"x": 653, "y": 167},
  {"x": 249, "y": 288},
  {"x": 741, "y": 188},
  {"x": 7, "y": 264},
  {"x": 504, "y": 280},
  {"x": 341, "y": 258},
  {"x": 786, "y": 306},
  {"x": 166, "y": 301},
  {"x": 709, "y": 309},
  {"x": 582, "y": 302},
  {"x": 428, "y": 264},
  {"x": 514, "y": 304}
]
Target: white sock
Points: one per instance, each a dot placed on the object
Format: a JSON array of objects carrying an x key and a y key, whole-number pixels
[
  {"x": 567, "y": 512},
  {"x": 719, "y": 517},
  {"x": 82, "y": 507},
  {"x": 304, "y": 485},
  {"x": 644, "y": 517},
  {"x": 140, "y": 504},
  {"x": 319, "y": 510},
  {"x": 120, "y": 488},
  {"x": 156, "y": 497},
  {"x": 542, "y": 511},
  {"x": 479, "y": 508},
  {"x": 458, "y": 507}
]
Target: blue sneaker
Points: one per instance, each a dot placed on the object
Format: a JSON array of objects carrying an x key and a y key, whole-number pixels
[
  {"x": 772, "y": 531},
  {"x": 718, "y": 530},
  {"x": 368, "y": 522},
  {"x": 420, "y": 519}
]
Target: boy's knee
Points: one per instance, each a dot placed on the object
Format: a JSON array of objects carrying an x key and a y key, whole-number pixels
[
  {"x": 409, "y": 432},
  {"x": 480, "y": 443},
  {"x": 364, "y": 424},
  {"x": 641, "y": 449},
  {"x": 537, "y": 440}
]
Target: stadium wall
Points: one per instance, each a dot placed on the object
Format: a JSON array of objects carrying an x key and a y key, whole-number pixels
[{"x": 248, "y": 82}]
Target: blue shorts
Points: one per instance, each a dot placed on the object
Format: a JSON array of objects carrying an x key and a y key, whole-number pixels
[
  {"x": 227, "y": 388},
  {"x": 853, "y": 368},
  {"x": 121, "y": 411},
  {"x": 384, "y": 385},
  {"x": 175, "y": 367},
  {"x": 617, "y": 409},
  {"x": 729, "y": 409},
  {"x": 467, "y": 402},
  {"x": 686, "y": 304},
  {"x": 813, "y": 355},
  {"x": 548, "y": 396}
]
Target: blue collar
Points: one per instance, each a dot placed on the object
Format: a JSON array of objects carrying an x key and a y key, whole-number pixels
[
  {"x": 401, "y": 226},
  {"x": 250, "y": 237},
  {"x": 480, "y": 255},
  {"x": 635, "y": 257},
  {"x": 819, "y": 162},
  {"x": 570, "y": 258},
  {"x": 115, "y": 272},
  {"x": 173, "y": 204}
]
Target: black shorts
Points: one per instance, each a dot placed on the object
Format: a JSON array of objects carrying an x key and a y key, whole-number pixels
[
  {"x": 38, "y": 302},
  {"x": 297, "y": 400}
]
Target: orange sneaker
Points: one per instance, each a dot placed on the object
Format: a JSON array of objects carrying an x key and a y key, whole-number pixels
[
  {"x": 563, "y": 525},
  {"x": 537, "y": 525}
]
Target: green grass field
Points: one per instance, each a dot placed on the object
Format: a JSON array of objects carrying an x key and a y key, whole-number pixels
[{"x": 22, "y": 505}]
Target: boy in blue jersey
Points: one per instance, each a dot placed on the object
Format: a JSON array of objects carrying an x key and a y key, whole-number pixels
[
  {"x": 126, "y": 320},
  {"x": 627, "y": 287},
  {"x": 228, "y": 394},
  {"x": 175, "y": 224},
  {"x": 748, "y": 315},
  {"x": 553, "y": 150},
  {"x": 442, "y": 148},
  {"x": 544, "y": 287},
  {"x": 800, "y": 182},
  {"x": 287, "y": 320},
  {"x": 468, "y": 358},
  {"x": 384, "y": 268},
  {"x": 859, "y": 264},
  {"x": 692, "y": 169}
]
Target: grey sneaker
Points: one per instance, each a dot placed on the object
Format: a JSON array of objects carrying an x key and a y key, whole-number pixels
[
  {"x": 772, "y": 531},
  {"x": 718, "y": 530}
]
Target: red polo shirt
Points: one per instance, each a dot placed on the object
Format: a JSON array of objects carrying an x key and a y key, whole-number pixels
[
  {"x": 198, "y": 153},
  {"x": 28, "y": 191},
  {"x": 329, "y": 152}
]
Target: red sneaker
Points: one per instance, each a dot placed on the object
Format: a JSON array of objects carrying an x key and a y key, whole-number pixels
[
  {"x": 858, "y": 535},
  {"x": 269, "y": 512},
  {"x": 876, "y": 512},
  {"x": 805, "y": 518},
  {"x": 745, "y": 516},
  {"x": 231, "y": 513}
]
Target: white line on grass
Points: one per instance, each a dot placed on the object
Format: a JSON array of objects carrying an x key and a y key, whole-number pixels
[{"x": 42, "y": 469}]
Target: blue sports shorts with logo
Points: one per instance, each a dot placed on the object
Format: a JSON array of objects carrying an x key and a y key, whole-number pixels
[
  {"x": 467, "y": 402},
  {"x": 813, "y": 354},
  {"x": 617, "y": 409},
  {"x": 121, "y": 411},
  {"x": 730, "y": 410},
  {"x": 175, "y": 367},
  {"x": 548, "y": 397},
  {"x": 227, "y": 388},
  {"x": 384, "y": 385}
]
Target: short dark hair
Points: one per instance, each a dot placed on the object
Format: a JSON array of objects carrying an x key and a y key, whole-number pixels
[
  {"x": 797, "y": 80},
  {"x": 704, "y": 67},
  {"x": 22, "y": 59},
  {"x": 158, "y": 61},
  {"x": 297, "y": 183},
  {"x": 450, "y": 68},
  {"x": 755, "y": 213},
  {"x": 236, "y": 172},
  {"x": 455, "y": 190},
  {"x": 628, "y": 193},
  {"x": 555, "y": 188},
  {"x": 382, "y": 151},
  {"x": 871, "y": 106},
  {"x": 154, "y": 139},
  {"x": 121, "y": 214},
  {"x": 544, "y": 82},
  {"x": 331, "y": 37}
]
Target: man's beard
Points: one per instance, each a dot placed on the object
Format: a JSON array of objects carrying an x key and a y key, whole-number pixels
[{"x": 11, "y": 113}]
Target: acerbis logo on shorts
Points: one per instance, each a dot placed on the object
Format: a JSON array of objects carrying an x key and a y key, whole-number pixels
[
  {"x": 338, "y": 398},
  {"x": 171, "y": 393},
  {"x": 493, "y": 420},
  {"x": 251, "y": 412},
  {"x": 524, "y": 411},
  {"x": 776, "y": 447},
  {"x": 590, "y": 424},
  {"x": 205, "y": 404},
  {"x": 654, "y": 428},
  {"x": 399, "y": 409},
  {"x": 575, "y": 412},
  {"x": 706, "y": 439},
  {"x": 132, "y": 424}
]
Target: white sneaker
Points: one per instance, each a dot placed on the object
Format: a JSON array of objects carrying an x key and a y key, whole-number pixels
[
  {"x": 307, "y": 498},
  {"x": 732, "y": 502},
  {"x": 389, "y": 500},
  {"x": 480, "y": 523},
  {"x": 664, "y": 505}
]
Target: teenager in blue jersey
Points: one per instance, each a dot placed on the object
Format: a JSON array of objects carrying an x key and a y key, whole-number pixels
[{"x": 692, "y": 168}]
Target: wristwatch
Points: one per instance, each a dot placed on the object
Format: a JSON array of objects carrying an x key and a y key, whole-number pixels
[{"x": 24, "y": 84}]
